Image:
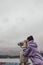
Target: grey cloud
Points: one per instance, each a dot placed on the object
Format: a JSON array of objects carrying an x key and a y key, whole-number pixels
[
  {"x": 20, "y": 18},
  {"x": 6, "y": 20}
]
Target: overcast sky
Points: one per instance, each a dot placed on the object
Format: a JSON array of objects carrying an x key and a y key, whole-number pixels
[{"x": 19, "y": 19}]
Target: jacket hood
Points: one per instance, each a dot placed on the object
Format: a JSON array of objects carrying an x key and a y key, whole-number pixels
[{"x": 32, "y": 44}]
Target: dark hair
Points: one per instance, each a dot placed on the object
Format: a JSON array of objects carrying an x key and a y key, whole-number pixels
[{"x": 30, "y": 38}]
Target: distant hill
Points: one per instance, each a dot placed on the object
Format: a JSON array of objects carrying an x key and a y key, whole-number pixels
[{"x": 7, "y": 56}]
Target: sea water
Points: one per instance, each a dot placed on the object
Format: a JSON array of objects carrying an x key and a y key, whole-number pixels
[{"x": 9, "y": 62}]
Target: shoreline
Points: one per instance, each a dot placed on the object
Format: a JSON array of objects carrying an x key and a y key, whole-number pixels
[{"x": 10, "y": 60}]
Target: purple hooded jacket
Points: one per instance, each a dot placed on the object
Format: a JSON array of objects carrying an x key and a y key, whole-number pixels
[{"x": 33, "y": 53}]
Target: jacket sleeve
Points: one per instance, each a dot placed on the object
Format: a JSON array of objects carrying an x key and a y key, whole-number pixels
[{"x": 26, "y": 51}]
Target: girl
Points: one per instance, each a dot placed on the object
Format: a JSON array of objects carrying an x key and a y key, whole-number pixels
[{"x": 32, "y": 51}]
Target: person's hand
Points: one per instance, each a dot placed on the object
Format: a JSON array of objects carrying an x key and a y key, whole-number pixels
[{"x": 25, "y": 43}]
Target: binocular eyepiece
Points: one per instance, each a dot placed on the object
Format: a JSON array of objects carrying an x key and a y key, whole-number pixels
[{"x": 20, "y": 44}]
